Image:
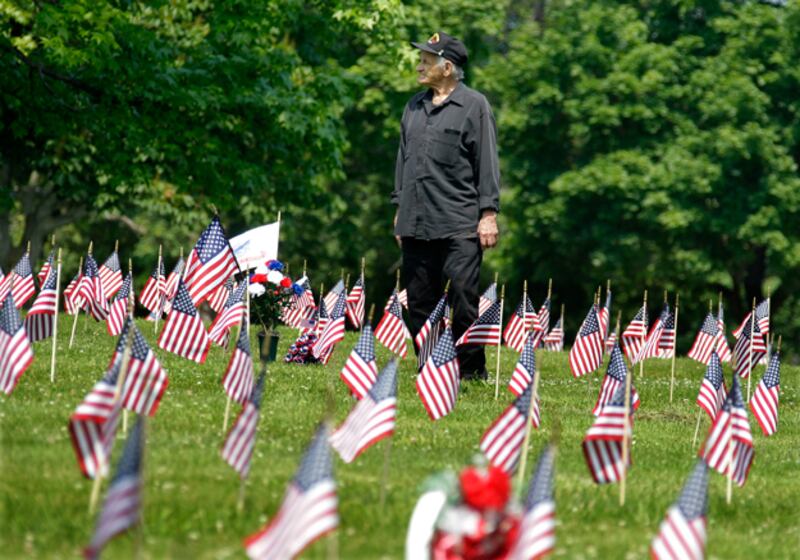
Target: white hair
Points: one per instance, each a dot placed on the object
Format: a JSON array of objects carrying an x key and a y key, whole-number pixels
[{"x": 458, "y": 72}]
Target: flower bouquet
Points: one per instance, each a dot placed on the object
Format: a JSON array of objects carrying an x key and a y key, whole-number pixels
[
  {"x": 271, "y": 293},
  {"x": 469, "y": 516}
]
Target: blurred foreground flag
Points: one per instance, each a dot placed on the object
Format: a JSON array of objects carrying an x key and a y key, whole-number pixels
[
  {"x": 309, "y": 508},
  {"x": 256, "y": 246}
]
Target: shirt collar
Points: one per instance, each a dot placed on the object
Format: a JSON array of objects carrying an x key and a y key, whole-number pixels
[{"x": 456, "y": 96}]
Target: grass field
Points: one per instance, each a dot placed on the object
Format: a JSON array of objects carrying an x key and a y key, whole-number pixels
[{"x": 190, "y": 496}]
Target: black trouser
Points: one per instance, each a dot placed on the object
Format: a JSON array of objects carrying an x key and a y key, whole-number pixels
[{"x": 427, "y": 265}]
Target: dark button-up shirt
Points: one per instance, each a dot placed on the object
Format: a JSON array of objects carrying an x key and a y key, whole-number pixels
[{"x": 447, "y": 170}]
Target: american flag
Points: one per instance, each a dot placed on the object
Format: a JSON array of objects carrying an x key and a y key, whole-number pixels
[
  {"x": 611, "y": 341},
  {"x": 238, "y": 378},
  {"x": 487, "y": 298},
  {"x": 356, "y": 301},
  {"x": 22, "y": 276},
  {"x": 16, "y": 353},
  {"x": 523, "y": 372},
  {"x": 554, "y": 341},
  {"x": 604, "y": 315},
  {"x": 241, "y": 440},
  {"x": 764, "y": 404},
  {"x": 402, "y": 297},
  {"x": 486, "y": 328},
  {"x": 122, "y": 507},
  {"x": 333, "y": 295},
  {"x": 146, "y": 380},
  {"x": 520, "y": 324},
  {"x": 652, "y": 343},
  {"x": 747, "y": 355},
  {"x": 762, "y": 318},
  {"x": 712, "y": 389},
  {"x": 306, "y": 299},
  {"x": 40, "y": 319},
  {"x": 361, "y": 369},
  {"x": 541, "y": 324},
  {"x": 45, "y": 270},
  {"x": 184, "y": 333},
  {"x": 218, "y": 298},
  {"x": 634, "y": 335},
  {"x": 309, "y": 509},
  {"x": 110, "y": 275},
  {"x": 93, "y": 425},
  {"x": 682, "y": 535},
  {"x": 429, "y": 334},
  {"x": 172, "y": 280},
  {"x": 707, "y": 340},
  {"x": 502, "y": 442},
  {"x": 537, "y": 530},
  {"x": 334, "y": 330},
  {"x": 723, "y": 348},
  {"x": 613, "y": 380},
  {"x": 602, "y": 446},
  {"x": 322, "y": 317},
  {"x": 587, "y": 350},
  {"x": 91, "y": 291},
  {"x": 232, "y": 312},
  {"x": 154, "y": 291},
  {"x": 391, "y": 331},
  {"x": 666, "y": 344},
  {"x": 72, "y": 300},
  {"x": 296, "y": 315},
  {"x": 210, "y": 263},
  {"x": 438, "y": 382},
  {"x": 729, "y": 446},
  {"x": 119, "y": 307},
  {"x": 372, "y": 419}
]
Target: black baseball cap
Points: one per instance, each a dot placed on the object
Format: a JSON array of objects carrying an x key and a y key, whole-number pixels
[{"x": 444, "y": 45}]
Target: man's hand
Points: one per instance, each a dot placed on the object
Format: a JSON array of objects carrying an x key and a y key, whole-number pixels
[
  {"x": 487, "y": 229},
  {"x": 397, "y": 237}
]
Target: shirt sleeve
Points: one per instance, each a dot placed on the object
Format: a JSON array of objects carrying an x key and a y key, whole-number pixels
[
  {"x": 399, "y": 162},
  {"x": 487, "y": 167}
]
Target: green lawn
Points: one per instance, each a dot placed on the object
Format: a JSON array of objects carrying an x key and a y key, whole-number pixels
[{"x": 189, "y": 503}]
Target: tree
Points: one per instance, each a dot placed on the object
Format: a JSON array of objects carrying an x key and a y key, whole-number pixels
[
  {"x": 655, "y": 143},
  {"x": 228, "y": 102}
]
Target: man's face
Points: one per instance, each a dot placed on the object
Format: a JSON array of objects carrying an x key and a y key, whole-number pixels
[{"x": 429, "y": 73}]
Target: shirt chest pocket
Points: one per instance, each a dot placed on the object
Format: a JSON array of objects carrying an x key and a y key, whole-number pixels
[{"x": 445, "y": 146}]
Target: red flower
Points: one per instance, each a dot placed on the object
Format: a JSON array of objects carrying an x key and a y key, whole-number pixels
[
  {"x": 485, "y": 489},
  {"x": 258, "y": 278},
  {"x": 286, "y": 282}
]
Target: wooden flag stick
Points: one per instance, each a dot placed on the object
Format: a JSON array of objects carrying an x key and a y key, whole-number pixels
[
  {"x": 227, "y": 416},
  {"x": 77, "y": 309},
  {"x": 729, "y": 490},
  {"x": 674, "y": 347},
  {"x": 158, "y": 273},
  {"x": 321, "y": 299},
  {"x": 116, "y": 246},
  {"x": 397, "y": 281},
  {"x": 496, "y": 276},
  {"x": 750, "y": 353},
  {"x": 697, "y": 428},
  {"x": 55, "y": 321},
  {"x": 769, "y": 319},
  {"x": 242, "y": 490},
  {"x": 524, "y": 307},
  {"x": 28, "y": 248},
  {"x": 625, "y": 439},
  {"x": 644, "y": 333},
  {"x": 102, "y": 459},
  {"x": 528, "y": 429},
  {"x": 387, "y": 455},
  {"x": 499, "y": 345},
  {"x": 305, "y": 262},
  {"x": 371, "y": 313},
  {"x": 363, "y": 265},
  {"x": 549, "y": 287}
]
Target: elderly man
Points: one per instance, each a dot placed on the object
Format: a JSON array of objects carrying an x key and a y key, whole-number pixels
[{"x": 446, "y": 190}]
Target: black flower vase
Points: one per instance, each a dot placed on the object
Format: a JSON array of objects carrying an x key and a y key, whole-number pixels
[{"x": 268, "y": 345}]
